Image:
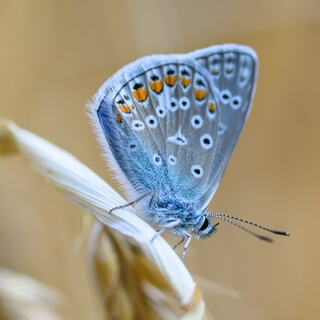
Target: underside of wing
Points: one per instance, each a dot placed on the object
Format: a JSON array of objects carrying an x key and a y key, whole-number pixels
[
  {"x": 233, "y": 71},
  {"x": 160, "y": 119},
  {"x": 171, "y": 122}
]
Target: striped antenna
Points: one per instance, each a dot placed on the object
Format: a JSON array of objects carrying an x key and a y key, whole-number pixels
[{"x": 228, "y": 218}]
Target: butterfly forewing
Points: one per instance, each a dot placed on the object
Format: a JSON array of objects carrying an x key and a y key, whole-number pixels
[{"x": 161, "y": 125}]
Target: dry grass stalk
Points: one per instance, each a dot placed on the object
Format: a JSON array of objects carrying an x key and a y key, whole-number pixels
[
  {"x": 135, "y": 278},
  {"x": 24, "y": 298}
]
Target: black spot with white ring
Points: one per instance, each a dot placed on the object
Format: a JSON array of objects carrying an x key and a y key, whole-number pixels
[
  {"x": 184, "y": 103},
  {"x": 173, "y": 105},
  {"x": 225, "y": 96},
  {"x": 197, "y": 171},
  {"x": 236, "y": 102},
  {"x": 151, "y": 121},
  {"x": 161, "y": 111},
  {"x": 206, "y": 141},
  {"x": 137, "y": 125},
  {"x": 196, "y": 121},
  {"x": 157, "y": 159}
]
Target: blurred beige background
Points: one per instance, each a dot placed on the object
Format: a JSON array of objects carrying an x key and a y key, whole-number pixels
[{"x": 55, "y": 54}]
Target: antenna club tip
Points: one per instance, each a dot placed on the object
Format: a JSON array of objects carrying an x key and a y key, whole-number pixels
[{"x": 281, "y": 233}]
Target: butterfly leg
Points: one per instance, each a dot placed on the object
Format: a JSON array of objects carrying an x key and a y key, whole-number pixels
[
  {"x": 129, "y": 203},
  {"x": 169, "y": 225},
  {"x": 153, "y": 198},
  {"x": 178, "y": 244},
  {"x": 186, "y": 245}
]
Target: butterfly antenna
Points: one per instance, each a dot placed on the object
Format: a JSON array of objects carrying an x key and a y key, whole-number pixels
[{"x": 228, "y": 218}]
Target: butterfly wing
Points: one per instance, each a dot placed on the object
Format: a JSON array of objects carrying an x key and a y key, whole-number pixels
[
  {"x": 159, "y": 120},
  {"x": 170, "y": 122},
  {"x": 233, "y": 71}
]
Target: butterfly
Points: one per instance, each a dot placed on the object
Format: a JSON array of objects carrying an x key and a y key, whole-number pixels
[{"x": 169, "y": 124}]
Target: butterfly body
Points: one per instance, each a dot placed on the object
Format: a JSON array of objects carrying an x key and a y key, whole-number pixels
[
  {"x": 169, "y": 124},
  {"x": 165, "y": 209}
]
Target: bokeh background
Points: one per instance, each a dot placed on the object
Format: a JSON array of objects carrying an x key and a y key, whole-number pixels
[{"x": 55, "y": 54}]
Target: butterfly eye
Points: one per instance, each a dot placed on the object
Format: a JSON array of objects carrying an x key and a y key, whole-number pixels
[
  {"x": 206, "y": 229},
  {"x": 205, "y": 224}
]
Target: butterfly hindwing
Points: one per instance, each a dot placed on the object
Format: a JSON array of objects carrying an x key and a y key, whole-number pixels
[{"x": 233, "y": 72}]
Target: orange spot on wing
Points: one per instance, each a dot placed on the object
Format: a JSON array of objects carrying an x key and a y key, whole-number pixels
[
  {"x": 212, "y": 107},
  {"x": 140, "y": 94},
  {"x": 170, "y": 80},
  {"x": 156, "y": 86},
  {"x": 118, "y": 117},
  {"x": 185, "y": 81},
  {"x": 200, "y": 94},
  {"x": 125, "y": 109}
]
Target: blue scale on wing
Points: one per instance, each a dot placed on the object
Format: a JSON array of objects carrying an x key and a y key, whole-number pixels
[{"x": 144, "y": 129}]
